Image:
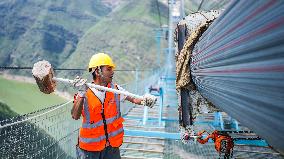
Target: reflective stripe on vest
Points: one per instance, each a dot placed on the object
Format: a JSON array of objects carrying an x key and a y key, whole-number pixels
[
  {"x": 88, "y": 123},
  {"x": 117, "y": 101},
  {"x": 86, "y": 110},
  {"x": 114, "y": 133},
  {"x": 100, "y": 123},
  {"x": 90, "y": 140}
]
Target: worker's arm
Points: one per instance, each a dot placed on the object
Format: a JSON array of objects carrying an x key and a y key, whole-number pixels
[
  {"x": 147, "y": 100},
  {"x": 79, "y": 98},
  {"x": 77, "y": 108},
  {"x": 134, "y": 100},
  {"x": 130, "y": 99},
  {"x": 78, "y": 104}
]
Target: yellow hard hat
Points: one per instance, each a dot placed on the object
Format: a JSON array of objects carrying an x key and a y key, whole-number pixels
[{"x": 100, "y": 59}]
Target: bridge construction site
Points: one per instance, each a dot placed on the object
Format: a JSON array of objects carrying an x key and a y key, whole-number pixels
[{"x": 219, "y": 93}]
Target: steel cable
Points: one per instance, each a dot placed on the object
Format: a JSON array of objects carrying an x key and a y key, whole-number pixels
[{"x": 238, "y": 64}]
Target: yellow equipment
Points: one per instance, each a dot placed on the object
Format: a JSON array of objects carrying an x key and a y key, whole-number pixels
[{"x": 100, "y": 59}]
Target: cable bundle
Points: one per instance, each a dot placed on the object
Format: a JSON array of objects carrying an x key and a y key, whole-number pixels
[{"x": 238, "y": 64}]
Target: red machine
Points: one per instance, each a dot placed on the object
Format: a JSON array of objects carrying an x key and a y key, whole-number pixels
[{"x": 223, "y": 142}]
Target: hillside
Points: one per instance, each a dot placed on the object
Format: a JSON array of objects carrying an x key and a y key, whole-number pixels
[
  {"x": 192, "y": 5},
  {"x": 6, "y": 112},
  {"x": 127, "y": 34},
  {"x": 24, "y": 98},
  {"x": 67, "y": 35},
  {"x": 23, "y": 149},
  {"x": 34, "y": 30}
]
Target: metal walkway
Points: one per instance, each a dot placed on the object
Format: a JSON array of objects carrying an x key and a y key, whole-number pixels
[{"x": 145, "y": 128}]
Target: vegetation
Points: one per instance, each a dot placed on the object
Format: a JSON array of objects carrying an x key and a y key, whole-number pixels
[
  {"x": 67, "y": 35},
  {"x": 192, "y": 5},
  {"x": 6, "y": 112},
  {"x": 27, "y": 133},
  {"x": 34, "y": 30},
  {"x": 23, "y": 98},
  {"x": 127, "y": 34}
]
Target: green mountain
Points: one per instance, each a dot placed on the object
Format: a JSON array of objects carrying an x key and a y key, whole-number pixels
[
  {"x": 34, "y": 30},
  {"x": 206, "y": 5},
  {"x": 6, "y": 112},
  {"x": 67, "y": 33},
  {"x": 23, "y": 97},
  {"x": 127, "y": 34}
]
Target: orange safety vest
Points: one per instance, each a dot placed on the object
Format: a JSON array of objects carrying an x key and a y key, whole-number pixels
[{"x": 102, "y": 122}]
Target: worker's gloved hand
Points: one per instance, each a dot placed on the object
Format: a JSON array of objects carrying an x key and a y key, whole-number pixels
[
  {"x": 149, "y": 100},
  {"x": 80, "y": 83}
]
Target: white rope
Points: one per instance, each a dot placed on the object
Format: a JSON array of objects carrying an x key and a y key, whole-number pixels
[{"x": 3, "y": 126}]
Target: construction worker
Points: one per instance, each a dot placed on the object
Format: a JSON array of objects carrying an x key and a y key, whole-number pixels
[{"x": 102, "y": 132}]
